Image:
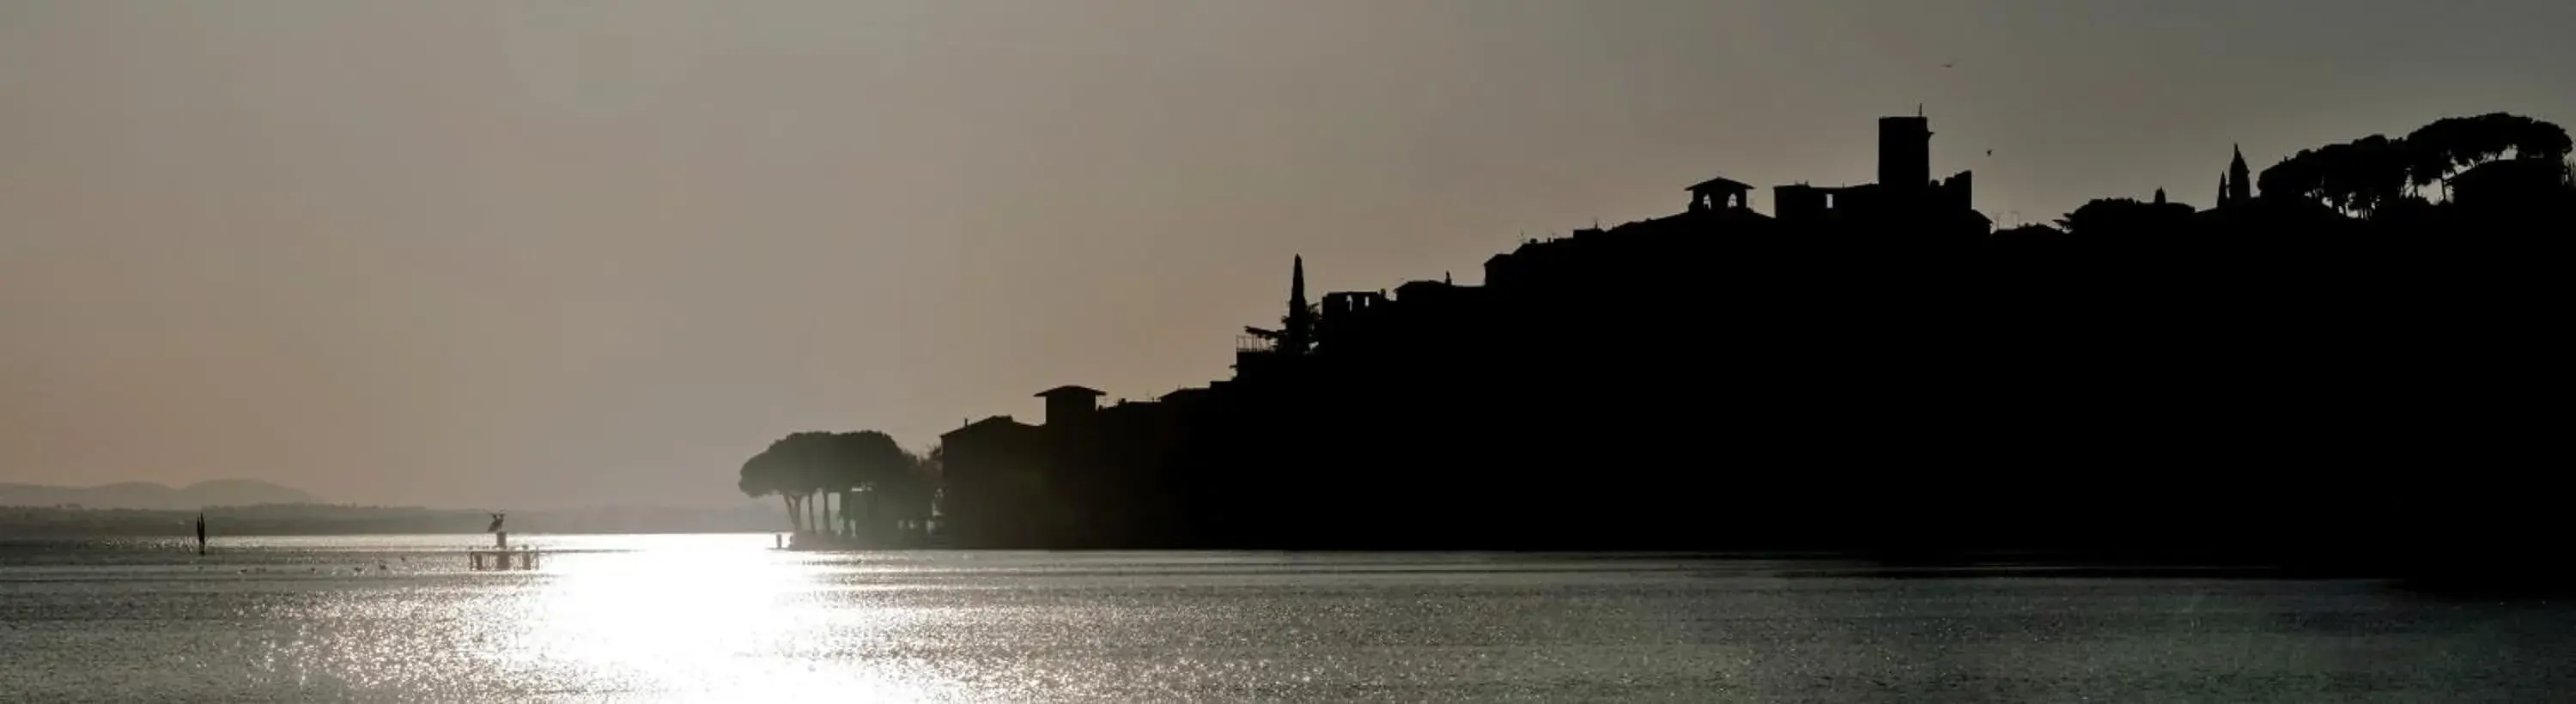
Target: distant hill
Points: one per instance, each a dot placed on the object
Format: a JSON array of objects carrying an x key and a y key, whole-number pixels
[
  {"x": 23, "y": 522},
  {"x": 150, "y": 496}
]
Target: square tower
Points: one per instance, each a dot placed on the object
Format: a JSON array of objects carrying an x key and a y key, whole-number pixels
[{"x": 1905, "y": 153}]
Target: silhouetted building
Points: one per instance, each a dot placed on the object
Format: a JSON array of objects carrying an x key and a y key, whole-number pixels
[
  {"x": 1431, "y": 376},
  {"x": 1297, "y": 329},
  {"x": 1427, "y": 292},
  {"x": 1263, "y": 347},
  {"x": 1343, "y": 312},
  {"x": 994, "y": 484},
  {"x": 1801, "y": 202},
  {"x": 1958, "y": 192},
  {"x": 1865, "y": 367},
  {"x": 2237, "y": 185},
  {"x": 1070, "y": 403},
  {"x": 1905, "y": 193},
  {"x": 1905, "y": 153},
  {"x": 1720, "y": 193}
]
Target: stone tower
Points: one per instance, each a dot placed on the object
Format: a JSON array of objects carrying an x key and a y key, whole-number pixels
[
  {"x": 1904, "y": 153},
  {"x": 2240, "y": 180}
]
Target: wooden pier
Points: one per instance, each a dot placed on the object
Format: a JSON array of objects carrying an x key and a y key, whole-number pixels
[{"x": 503, "y": 557}]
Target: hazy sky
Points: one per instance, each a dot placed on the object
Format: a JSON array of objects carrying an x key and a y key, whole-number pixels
[{"x": 550, "y": 252}]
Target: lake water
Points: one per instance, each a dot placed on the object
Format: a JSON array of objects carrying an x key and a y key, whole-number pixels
[{"x": 724, "y": 618}]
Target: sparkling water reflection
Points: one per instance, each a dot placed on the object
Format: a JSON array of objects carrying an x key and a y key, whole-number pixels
[
  {"x": 724, "y": 618},
  {"x": 709, "y": 617}
]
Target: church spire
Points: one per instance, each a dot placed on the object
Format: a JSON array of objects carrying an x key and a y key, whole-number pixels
[
  {"x": 2240, "y": 180},
  {"x": 1296, "y": 330},
  {"x": 1297, "y": 283}
]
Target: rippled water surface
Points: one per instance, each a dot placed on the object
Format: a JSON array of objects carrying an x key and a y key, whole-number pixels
[{"x": 724, "y": 618}]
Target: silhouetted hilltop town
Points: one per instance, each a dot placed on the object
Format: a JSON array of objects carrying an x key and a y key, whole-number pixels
[{"x": 2347, "y": 363}]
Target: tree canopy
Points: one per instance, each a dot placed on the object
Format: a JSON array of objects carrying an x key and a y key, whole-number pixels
[
  {"x": 2120, "y": 216},
  {"x": 806, "y": 464},
  {"x": 2366, "y": 175}
]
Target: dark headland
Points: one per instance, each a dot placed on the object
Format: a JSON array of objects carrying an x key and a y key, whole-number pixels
[{"x": 2351, "y": 358}]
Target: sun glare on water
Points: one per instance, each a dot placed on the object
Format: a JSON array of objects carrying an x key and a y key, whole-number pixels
[{"x": 715, "y": 618}]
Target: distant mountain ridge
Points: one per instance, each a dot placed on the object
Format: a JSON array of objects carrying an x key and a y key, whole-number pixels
[
  {"x": 150, "y": 496},
  {"x": 34, "y": 522}
]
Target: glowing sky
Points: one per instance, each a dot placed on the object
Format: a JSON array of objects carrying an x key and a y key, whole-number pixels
[{"x": 557, "y": 252}]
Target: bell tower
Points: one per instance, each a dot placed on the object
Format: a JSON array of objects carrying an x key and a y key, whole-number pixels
[
  {"x": 2240, "y": 180},
  {"x": 1904, "y": 153},
  {"x": 1297, "y": 330}
]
